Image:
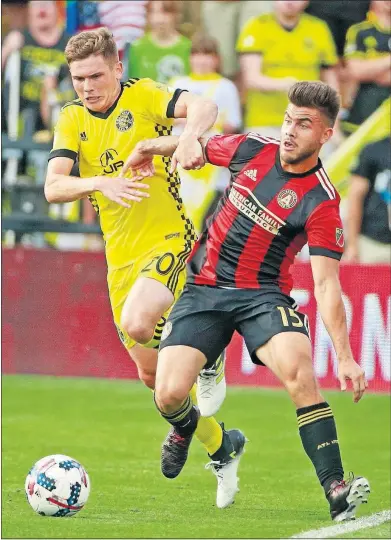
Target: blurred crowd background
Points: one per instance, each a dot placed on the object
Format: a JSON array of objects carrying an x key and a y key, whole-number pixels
[{"x": 245, "y": 55}]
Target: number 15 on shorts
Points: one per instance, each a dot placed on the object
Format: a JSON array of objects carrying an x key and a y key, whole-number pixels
[{"x": 293, "y": 319}]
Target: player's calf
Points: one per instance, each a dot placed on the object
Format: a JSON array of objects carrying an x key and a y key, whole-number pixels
[{"x": 175, "y": 447}]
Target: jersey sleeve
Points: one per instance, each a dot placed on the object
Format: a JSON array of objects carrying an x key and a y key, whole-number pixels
[
  {"x": 66, "y": 137},
  {"x": 220, "y": 149},
  {"x": 329, "y": 56},
  {"x": 325, "y": 231},
  {"x": 158, "y": 100},
  {"x": 354, "y": 44},
  {"x": 251, "y": 38}
]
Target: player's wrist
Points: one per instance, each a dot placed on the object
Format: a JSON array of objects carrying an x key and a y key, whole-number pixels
[{"x": 96, "y": 183}]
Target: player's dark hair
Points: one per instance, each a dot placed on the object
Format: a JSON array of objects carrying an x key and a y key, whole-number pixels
[
  {"x": 316, "y": 95},
  {"x": 92, "y": 42}
]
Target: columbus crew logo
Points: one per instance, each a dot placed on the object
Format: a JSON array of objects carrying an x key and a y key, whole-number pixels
[
  {"x": 287, "y": 198},
  {"x": 124, "y": 121}
]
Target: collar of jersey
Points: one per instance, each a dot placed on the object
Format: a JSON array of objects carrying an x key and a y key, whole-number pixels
[
  {"x": 105, "y": 115},
  {"x": 295, "y": 175},
  {"x": 205, "y": 76}
]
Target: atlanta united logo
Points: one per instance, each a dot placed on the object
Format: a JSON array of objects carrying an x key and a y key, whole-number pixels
[
  {"x": 287, "y": 198},
  {"x": 166, "y": 330},
  {"x": 124, "y": 121}
]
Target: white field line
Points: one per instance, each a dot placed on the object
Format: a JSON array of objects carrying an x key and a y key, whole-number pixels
[{"x": 347, "y": 527}]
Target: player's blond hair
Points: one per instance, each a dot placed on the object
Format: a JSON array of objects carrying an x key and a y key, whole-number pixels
[
  {"x": 316, "y": 95},
  {"x": 92, "y": 42}
]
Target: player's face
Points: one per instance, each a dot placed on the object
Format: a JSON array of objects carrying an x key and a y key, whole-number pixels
[
  {"x": 203, "y": 63},
  {"x": 290, "y": 8},
  {"x": 96, "y": 81},
  {"x": 303, "y": 133}
]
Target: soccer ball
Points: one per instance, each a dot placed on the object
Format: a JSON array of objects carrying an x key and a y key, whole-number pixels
[{"x": 57, "y": 486}]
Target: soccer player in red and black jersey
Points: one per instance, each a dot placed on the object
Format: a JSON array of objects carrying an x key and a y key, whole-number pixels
[{"x": 279, "y": 198}]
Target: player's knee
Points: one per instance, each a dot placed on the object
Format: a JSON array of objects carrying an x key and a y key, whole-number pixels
[
  {"x": 300, "y": 381},
  {"x": 147, "y": 377},
  {"x": 169, "y": 397},
  {"x": 138, "y": 329}
]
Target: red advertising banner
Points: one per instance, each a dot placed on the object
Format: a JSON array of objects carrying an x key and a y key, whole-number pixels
[{"x": 56, "y": 320}]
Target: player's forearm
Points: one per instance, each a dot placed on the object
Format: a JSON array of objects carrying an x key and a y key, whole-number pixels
[
  {"x": 368, "y": 70},
  {"x": 61, "y": 188},
  {"x": 201, "y": 116},
  {"x": 329, "y": 76},
  {"x": 354, "y": 220},
  {"x": 161, "y": 146},
  {"x": 332, "y": 310}
]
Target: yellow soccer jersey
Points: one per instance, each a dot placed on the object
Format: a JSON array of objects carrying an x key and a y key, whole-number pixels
[
  {"x": 300, "y": 52},
  {"x": 102, "y": 142}
]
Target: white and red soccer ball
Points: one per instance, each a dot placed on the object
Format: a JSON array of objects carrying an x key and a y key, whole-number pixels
[{"x": 57, "y": 486}]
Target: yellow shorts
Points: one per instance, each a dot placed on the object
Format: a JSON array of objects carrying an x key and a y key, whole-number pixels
[{"x": 167, "y": 264}]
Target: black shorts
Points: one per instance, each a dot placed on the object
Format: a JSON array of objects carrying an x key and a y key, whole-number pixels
[{"x": 205, "y": 318}]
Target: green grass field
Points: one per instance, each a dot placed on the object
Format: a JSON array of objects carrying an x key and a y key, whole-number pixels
[{"x": 113, "y": 429}]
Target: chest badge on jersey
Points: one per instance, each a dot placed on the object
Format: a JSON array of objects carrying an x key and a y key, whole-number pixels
[
  {"x": 124, "y": 121},
  {"x": 287, "y": 199},
  {"x": 339, "y": 238}
]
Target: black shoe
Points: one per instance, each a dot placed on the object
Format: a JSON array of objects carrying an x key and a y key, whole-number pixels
[
  {"x": 175, "y": 449},
  {"x": 345, "y": 496}
]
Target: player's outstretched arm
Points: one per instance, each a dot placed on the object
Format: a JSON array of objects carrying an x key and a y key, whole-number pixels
[
  {"x": 140, "y": 161},
  {"x": 200, "y": 114},
  {"x": 330, "y": 304},
  {"x": 60, "y": 187}
]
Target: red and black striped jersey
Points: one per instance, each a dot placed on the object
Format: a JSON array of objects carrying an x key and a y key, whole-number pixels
[{"x": 264, "y": 218}]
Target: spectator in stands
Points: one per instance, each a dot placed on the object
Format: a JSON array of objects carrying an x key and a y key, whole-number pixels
[
  {"x": 369, "y": 206},
  {"x": 224, "y": 20},
  {"x": 163, "y": 53},
  {"x": 13, "y": 15},
  {"x": 202, "y": 188},
  {"x": 340, "y": 15},
  {"x": 42, "y": 53},
  {"x": 368, "y": 56},
  {"x": 126, "y": 20},
  {"x": 276, "y": 50}
]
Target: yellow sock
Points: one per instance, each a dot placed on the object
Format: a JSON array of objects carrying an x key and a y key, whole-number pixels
[{"x": 208, "y": 431}]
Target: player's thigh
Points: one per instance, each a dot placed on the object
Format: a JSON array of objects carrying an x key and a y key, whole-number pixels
[
  {"x": 197, "y": 322},
  {"x": 119, "y": 284},
  {"x": 161, "y": 278},
  {"x": 265, "y": 316},
  {"x": 288, "y": 355}
]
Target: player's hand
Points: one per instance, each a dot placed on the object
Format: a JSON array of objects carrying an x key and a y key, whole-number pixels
[
  {"x": 140, "y": 164},
  {"x": 119, "y": 188},
  {"x": 189, "y": 154},
  {"x": 349, "y": 370},
  {"x": 351, "y": 254}
]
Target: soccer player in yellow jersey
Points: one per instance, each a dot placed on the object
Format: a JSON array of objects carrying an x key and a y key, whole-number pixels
[
  {"x": 146, "y": 232},
  {"x": 277, "y": 49}
]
